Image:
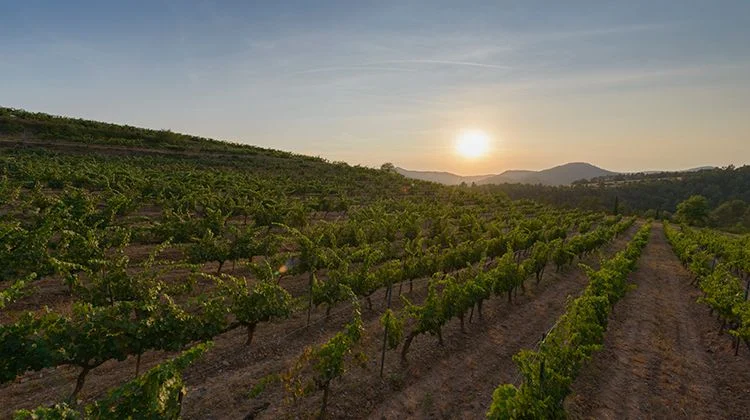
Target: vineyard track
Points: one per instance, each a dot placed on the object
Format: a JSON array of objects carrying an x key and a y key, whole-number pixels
[
  {"x": 663, "y": 356},
  {"x": 219, "y": 383}
]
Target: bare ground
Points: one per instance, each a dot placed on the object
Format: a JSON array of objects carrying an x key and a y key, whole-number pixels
[
  {"x": 455, "y": 380},
  {"x": 459, "y": 382},
  {"x": 663, "y": 355}
]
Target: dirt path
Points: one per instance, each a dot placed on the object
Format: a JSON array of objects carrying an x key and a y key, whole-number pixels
[{"x": 663, "y": 356}]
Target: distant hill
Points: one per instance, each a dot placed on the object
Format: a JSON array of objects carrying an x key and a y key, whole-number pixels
[
  {"x": 445, "y": 178},
  {"x": 559, "y": 175},
  {"x": 639, "y": 192},
  {"x": 701, "y": 168}
]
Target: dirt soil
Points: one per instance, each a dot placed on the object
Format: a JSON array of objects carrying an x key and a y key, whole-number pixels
[
  {"x": 455, "y": 380},
  {"x": 663, "y": 355}
]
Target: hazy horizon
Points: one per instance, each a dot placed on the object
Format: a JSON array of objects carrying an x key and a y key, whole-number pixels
[
  {"x": 564, "y": 163},
  {"x": 627, "y": 87}
]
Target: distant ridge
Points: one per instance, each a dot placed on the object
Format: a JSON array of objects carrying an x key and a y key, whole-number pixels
[
  {"x": 445, "y": 178},
  {"x": 699, "y": 168},
  {"x": 559, "y": 175}
]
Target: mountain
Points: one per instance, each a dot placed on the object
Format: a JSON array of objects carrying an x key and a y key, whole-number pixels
[
  {"x": 445, "y": 178},
  {"x": 701, "y": 168},
  {"x": 559, "y": 175},
  {"x": 513, "y": 176}
]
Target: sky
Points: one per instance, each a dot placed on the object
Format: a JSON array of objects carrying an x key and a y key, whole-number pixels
[{"x": 625, "y": 85}]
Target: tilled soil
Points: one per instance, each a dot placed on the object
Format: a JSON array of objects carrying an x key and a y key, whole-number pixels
[
  {"x": 455, "y": 380},
  {"x": 663, "y": 355},
  {"x": 451, "y": 381},
  {"x": 458, "y": 381}
]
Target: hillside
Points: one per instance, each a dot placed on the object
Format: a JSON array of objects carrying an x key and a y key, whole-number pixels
[
  {"x": 38, "y": 127},
  {"x": 116, "y": 258},
  {"x": 124, "y": 248},
  {"x": 331, "y": 185}
]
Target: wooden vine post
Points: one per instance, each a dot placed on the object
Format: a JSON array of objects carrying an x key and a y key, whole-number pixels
[{"x": 385, "y": 333}]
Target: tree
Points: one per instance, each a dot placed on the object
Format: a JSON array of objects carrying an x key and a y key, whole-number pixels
[
  {"x": 693, "y": 211},
  {"x": 388, "y": 167},
  {"x": 728, "y": 214}
]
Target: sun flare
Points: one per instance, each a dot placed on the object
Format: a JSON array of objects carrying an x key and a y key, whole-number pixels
[{"x": 472, "y": 144}]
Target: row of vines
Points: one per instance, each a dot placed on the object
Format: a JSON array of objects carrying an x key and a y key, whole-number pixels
[
  {"x": 721, "y": 273},
  {"x": 549, "y": 370},
  {"x": 83, "y": 222}
]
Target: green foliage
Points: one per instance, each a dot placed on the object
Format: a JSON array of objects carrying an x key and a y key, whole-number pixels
[
  {"x": 395, "y": 327},
  {"x": 320, "y": 365},
  {"x": 429, "y": 317},
  {"x": 637, "y": 193},
  {"x": 211, "y": 247},
  {"x": 75, "y": 215},
  {"x": 157, "y": 394},
  {"x": 507, "y": 275},
  {"x": 693, "y": 211},
  {"x": 25, "y": 345},
  {"x": 15, "y": 291},
  {"x": 333, "y": 290},
  {"x": 60, "y": 411},
  {"x": 717, "y": 261},
  {"x": 252, "y": 304},
  {"x": 731, "y": 215},
  {"x": 328, "y": 360},
  {"x": 550, "y": 370}
]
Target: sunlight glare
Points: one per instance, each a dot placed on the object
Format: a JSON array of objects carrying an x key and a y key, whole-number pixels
[{"x": 472, "y": 143}]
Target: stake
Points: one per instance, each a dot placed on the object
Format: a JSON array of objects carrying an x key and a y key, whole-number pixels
[
  {"x": 385, "y": 333},
  {"x": 737, "y": 347},
  {"x": 310, "y": 301}
]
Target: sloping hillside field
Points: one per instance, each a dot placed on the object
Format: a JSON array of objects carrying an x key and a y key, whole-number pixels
[{"x": 148, "y": 274}]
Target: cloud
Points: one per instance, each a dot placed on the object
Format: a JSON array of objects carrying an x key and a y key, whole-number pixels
[
  {"x": 617, "y": 77},
  {"x": 596, "y": 32},
  {"x": 447, "y": 63},
  {"x": 353, "y": 68}
]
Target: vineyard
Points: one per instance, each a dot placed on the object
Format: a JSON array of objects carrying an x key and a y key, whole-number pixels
[{"x": 148, "y": 277}]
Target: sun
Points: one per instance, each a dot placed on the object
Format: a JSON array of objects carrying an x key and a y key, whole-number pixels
[{"x": 472, "y": 144}]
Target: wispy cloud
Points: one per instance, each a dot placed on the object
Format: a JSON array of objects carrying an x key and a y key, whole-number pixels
[
  {"x": 353, "y": 68},
  {"x": 597, "y": 31},
  {"x": 446, "y": 63},
  {"x": 382, "y": 66},
  {"x": 618, "y": 77}
]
